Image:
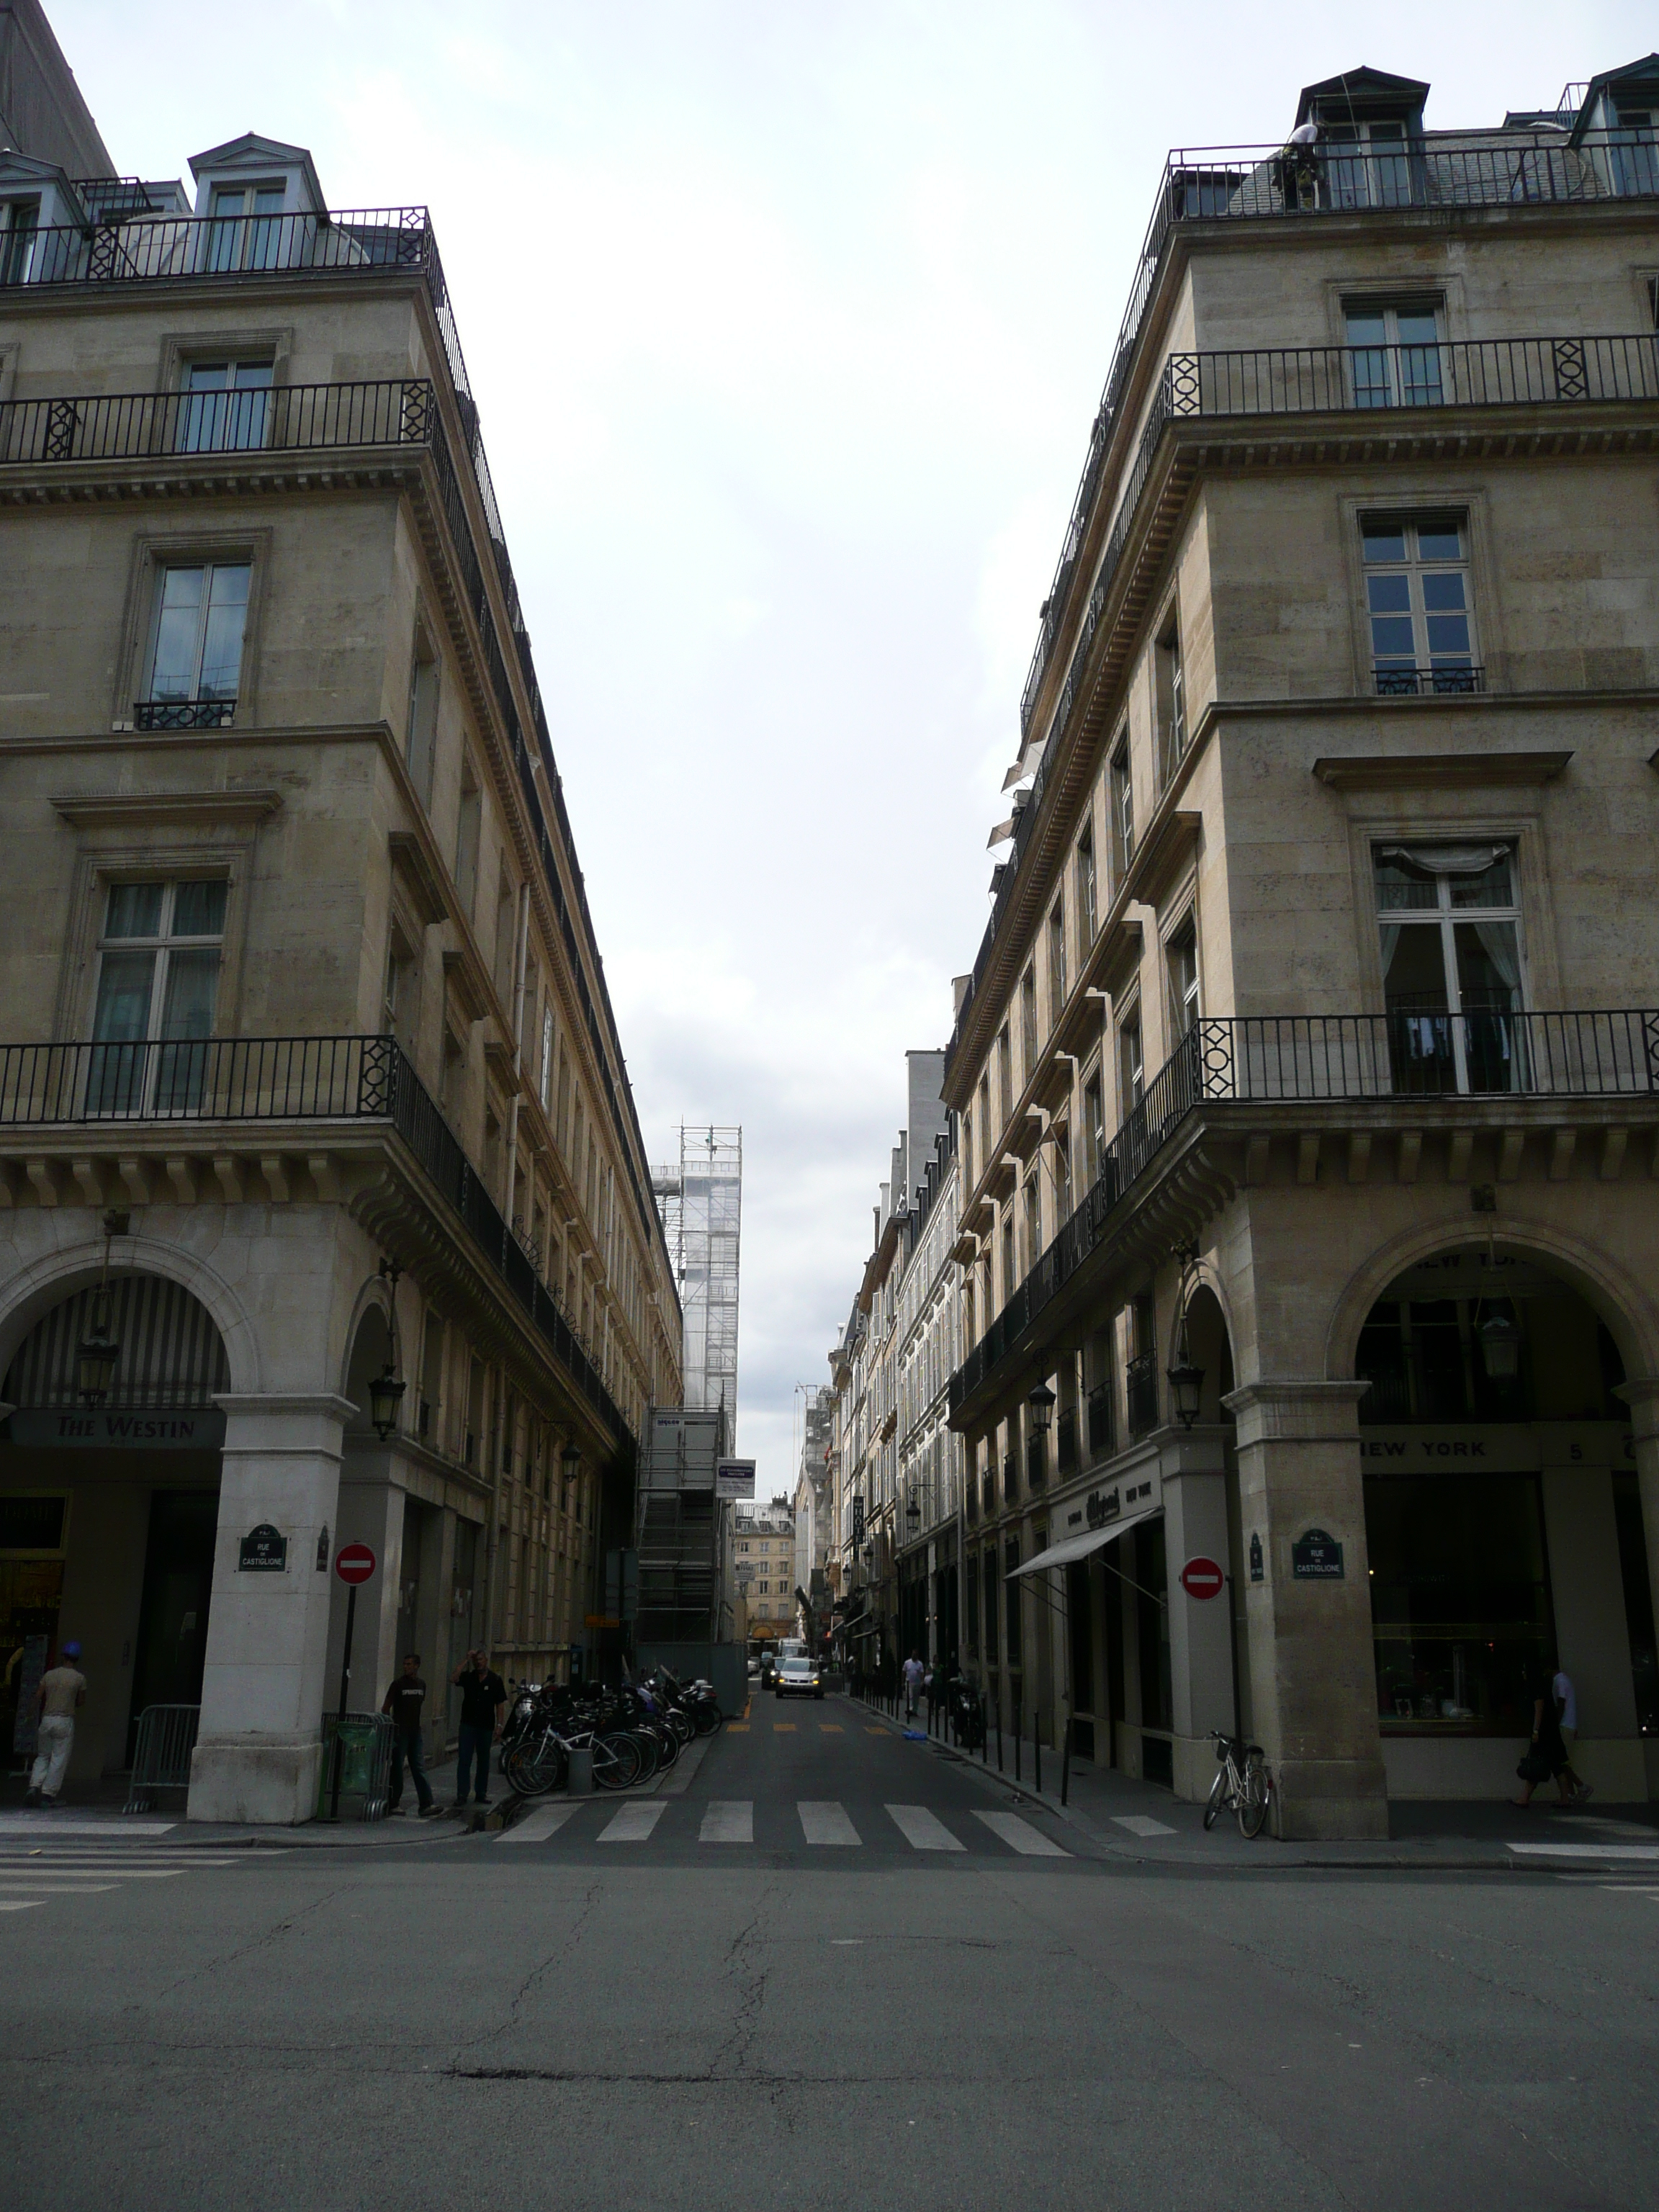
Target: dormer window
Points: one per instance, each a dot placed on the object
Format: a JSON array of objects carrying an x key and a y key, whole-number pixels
[
  {"x": 246, "y": 227},
  {"x": 19, "y": 224}
]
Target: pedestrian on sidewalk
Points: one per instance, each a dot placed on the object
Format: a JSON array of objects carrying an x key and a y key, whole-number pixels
[
  {"x": 914, "y": 1671},
  {"x": 404, "y": 1701},
  {"x": 1546, "y": 1756},
  {"x": 62, "y": 1691},
  {"x": 1567, "y": 1713},
  {"x": 484, "y": 1703}
]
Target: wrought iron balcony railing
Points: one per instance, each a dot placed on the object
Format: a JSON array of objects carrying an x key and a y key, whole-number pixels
[
  {"x": 1442, "y": 680},
  {"x": 1521, "y": 371},
  {"x": 184, "y": 713},
  {"x": 230, "y": 1080},
  {"x": 165, "y": 248},
  {"x": 1140, "y": 1386},
  {"x": 1333, "y": 1058},
  {"x": 282, "y": 418}
]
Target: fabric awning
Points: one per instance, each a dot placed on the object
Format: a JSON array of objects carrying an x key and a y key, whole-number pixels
[{"x": 1079, "y": 1547}]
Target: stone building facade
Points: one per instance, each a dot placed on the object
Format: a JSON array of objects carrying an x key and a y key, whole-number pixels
[
  {"x": 308, "y": 1074},
  {"x": 1307, "y": 1075}
]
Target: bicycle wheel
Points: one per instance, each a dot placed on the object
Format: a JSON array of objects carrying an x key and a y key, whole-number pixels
[
  {"x": 1252, "y": 1798},
  {"x": 615, "y": 1760},
  {"x": 1218, "y": 1804}
]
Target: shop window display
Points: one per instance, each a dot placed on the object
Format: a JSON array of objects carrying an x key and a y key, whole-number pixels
[{"x": 1460, "y": 1610}]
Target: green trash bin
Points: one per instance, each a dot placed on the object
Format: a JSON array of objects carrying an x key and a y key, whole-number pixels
[{"x": 364, "y": 1742}]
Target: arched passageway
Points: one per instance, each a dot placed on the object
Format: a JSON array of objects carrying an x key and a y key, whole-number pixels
[{"x": 1503, "y": 1524}]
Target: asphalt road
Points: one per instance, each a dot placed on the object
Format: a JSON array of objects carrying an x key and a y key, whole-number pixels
[{"x": 882, "y": 2000}]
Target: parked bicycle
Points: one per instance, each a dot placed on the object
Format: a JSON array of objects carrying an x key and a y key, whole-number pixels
[
  {"x": 632, "y": 1733},
  {"x": 1243, "y": 1783}
]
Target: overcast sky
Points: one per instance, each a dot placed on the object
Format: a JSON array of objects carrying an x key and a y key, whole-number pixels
[{"x": 786, "y": 322}]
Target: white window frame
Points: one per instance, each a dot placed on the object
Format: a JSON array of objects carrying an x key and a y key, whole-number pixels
[
  {"x": 1427, "y": 674},
  {"x": 209, "y": 567}
]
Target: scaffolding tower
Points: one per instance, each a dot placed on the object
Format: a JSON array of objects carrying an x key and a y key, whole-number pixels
[{"x": 701, "y": 1202}]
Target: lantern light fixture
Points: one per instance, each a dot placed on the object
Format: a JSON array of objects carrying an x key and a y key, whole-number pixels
[
  {"x": 96, "y": 1361},
  {"x": 1042, "y": 1404},
  {"x": 1500, "y": 1348},
  {"x": 385, "y": 1394},
  {"x": 1186, "y": 1389}
]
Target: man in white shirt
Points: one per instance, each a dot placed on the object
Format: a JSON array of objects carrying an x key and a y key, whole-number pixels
[
  {"x": 914, "y": 1671},
  {"x": 1566, "y": 1708},
  {"x": 62, "y": 1691}
]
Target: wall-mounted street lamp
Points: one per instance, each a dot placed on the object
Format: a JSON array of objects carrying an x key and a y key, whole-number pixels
[
  {"x": 1186, "y": 1380},
  {"x": 1042, "y": 1404},
  {"x": 96, "y": 1361},
  {"x": 569, "y": 1460},
  {"x": 1500, "y": 1348},
  {"x": 386, "y": 1391}
]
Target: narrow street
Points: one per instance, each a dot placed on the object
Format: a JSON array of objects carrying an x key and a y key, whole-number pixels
[{"x": 819, "y": 1971}]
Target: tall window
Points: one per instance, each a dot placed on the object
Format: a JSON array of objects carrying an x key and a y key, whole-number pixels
[
  {"x": 224, "y": 407},
  {"x": 1088, "y": 919},
  {"x": 1062, "y": 1184},
  {"x": 1130, "y": 1064},
  {"x": 545, "y": 1088},
  {"x": 1056, "y": 960},
  {"x": 1183, "y": 977},
  {"x": 196, "y": 657},
  {"x": 1367, "y": 164},
  {"x": 1005, "y": 1074},
  {"x": 1450, "y": 923},
  {"x": 245, "y": 230},
  {"x": 158, "y": 980},
  {"x": 1419, "y": 603},
  {"x": 1092, "y": 1136},
  {"x": 1033, "y": 1221},
  {"x": 1123, "y": 809},
  {"x": 1009, "y": 1277},
  {"x": 1171, "y": 685},
  {"x": 467, "y": 823},
  {"x": 422, "y": 744},
  {"x": 1394, "y": 357},
  {"x": 1028, "y": 1025}
]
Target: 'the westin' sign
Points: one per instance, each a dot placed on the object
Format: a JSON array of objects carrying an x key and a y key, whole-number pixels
[{"x": 200, "y": 1429}]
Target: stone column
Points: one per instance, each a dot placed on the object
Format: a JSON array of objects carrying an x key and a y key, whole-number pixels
[
  {"x": 1194, "y": 1490},
  {"x": 1312, "y": 1674},
  {"x": 1642, "y": 1396},
  {"x": 262, "y": 1690}
]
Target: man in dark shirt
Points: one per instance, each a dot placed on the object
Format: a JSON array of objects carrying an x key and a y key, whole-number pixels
[
  {"x": 403, "y": 1701},
  {"x": 484, "y": 1702}
]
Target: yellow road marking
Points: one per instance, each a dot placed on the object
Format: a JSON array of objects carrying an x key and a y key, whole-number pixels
[
  {"x": 736, "y": 1727},
  {"x": 829, "y": 1727},
  {"x": 783, "y": 1727},
  {"x": 875, "y": 1731}
]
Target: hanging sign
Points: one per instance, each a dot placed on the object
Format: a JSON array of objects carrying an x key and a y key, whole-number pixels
[
  {"x": 1255, "y": 1556},
  {"x": 1317, "y": 1557},
  {"x": 734, "y": 1478},
  {"x": 262, "y": 1551}
]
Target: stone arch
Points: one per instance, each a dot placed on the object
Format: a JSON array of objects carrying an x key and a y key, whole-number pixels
[
  {"x": 1209, "y": 1339},
  {"x": 369, "y": 1345},
  {"x": 35, "y": 1289},
  {"x": 1618, "y": 1299}
]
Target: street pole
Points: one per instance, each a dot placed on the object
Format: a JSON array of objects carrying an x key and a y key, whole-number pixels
[{"x": 345, "y": 1681}]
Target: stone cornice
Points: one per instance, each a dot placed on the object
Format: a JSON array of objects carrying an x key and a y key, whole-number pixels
[
  {"x": 1442, "y": 771},
  {"x": 106, "y": 810}
]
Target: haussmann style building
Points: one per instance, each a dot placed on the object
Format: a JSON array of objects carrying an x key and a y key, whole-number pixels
[
  {"x": 1308, "y": 1075},
  {"x": 309, "y": 1081}
]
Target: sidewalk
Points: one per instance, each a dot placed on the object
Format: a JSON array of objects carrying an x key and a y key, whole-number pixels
[{"x": 1140, "y": 1823}]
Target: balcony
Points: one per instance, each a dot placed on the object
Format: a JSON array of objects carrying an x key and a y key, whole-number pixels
[
  {"x": 166, "y": 1104},
  {"x": 184, "y": 713},
  {"x": 1224, "y": 1065},
  {"x": 286, "y": 418}
]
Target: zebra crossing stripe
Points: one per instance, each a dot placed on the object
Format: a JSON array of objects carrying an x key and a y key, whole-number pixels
[
  {"x": 633, "y": 1824},
  {"x": 826, "y": 1821},
  {"x": 536, "y": 1827},
  {"x": 728, "y": 1822},
  {"x": 922, "y": 1830},
  {"x": 1020, "y": 1836}
]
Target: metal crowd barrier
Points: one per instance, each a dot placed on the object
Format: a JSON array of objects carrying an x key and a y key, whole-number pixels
[{"x": 161, "y": 1758}]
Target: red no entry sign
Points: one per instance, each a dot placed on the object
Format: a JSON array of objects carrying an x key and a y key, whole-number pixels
[
  {"x": 353, "y": 1562},
  {"x": 1201, "y": 1578}
]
